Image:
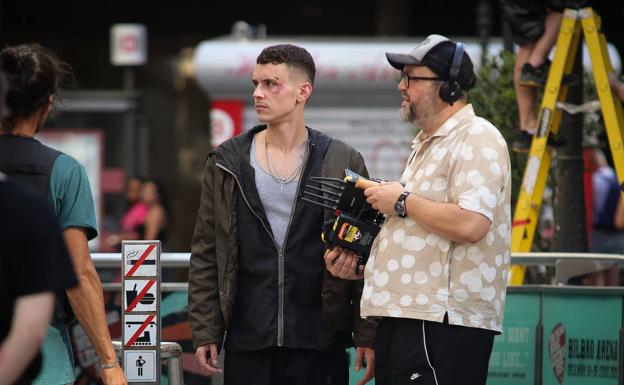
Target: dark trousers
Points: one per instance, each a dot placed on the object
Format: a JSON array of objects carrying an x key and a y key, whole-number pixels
[
  {"x": 286, "y": 366},
  {"x": 417, "y": 352}
]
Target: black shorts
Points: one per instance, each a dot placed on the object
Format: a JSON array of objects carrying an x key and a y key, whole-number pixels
[
  {"x": 286, "y": 366},
  {"x": 416, "y": 352},
  {"x": 526, "y": 17}
]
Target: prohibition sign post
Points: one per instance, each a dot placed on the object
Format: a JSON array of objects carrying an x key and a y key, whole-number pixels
[{"x": 140, "y": 292}]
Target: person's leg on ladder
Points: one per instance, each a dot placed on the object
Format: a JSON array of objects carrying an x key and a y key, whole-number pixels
[
  {"x": 526, "y": 99},
  {"x": 544, "y": 44}
]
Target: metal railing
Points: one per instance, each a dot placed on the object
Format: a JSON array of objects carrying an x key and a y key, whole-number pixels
[
  {"x": 566, "y": 264},
  {"x": 552, "y": 258},
  {"x": 182, "y": 259},
  {"x": 569, "y": 265},
  {"x": 166, "y": 259}
]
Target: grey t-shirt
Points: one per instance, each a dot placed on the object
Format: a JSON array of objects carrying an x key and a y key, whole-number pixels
[{"x": 277, "y": 199}]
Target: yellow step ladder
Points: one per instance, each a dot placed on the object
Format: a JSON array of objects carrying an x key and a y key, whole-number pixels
[{"x": 527, "y": 210}]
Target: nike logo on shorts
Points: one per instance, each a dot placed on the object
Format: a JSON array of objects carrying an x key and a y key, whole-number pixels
[{"x": 414, "y": 376}]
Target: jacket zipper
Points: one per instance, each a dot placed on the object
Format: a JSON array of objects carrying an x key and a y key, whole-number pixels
[
  {"x": 280, "y": 259},
  {"x": 280, "y": 251}
]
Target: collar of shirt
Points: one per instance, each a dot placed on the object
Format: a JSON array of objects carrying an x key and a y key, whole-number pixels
[{"x": 446, "y": 127}]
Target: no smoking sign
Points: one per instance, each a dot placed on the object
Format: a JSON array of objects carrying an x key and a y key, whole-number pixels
[{"x": 140, "y": 260}]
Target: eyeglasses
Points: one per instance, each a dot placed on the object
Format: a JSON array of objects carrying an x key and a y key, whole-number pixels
[{"x": 406, "y": 78}]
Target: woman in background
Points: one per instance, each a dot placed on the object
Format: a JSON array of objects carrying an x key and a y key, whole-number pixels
[
  {"x": 132, "y": 219},
  {"x": 136, "y": 209},
  {"x": 158, "y": 216}
]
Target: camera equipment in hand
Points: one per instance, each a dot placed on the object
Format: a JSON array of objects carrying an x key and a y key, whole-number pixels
[{"x": 354, "y": 223}]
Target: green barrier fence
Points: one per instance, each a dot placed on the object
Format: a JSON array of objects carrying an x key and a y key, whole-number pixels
[
  {"x": 513, "y": 360},
  {"x": 560, "y": 336}
]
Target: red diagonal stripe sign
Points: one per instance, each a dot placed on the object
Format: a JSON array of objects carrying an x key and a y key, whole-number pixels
[
  {"x": 141, "y": 260},
  {"x": 140, "y": 330},
  {"x": 150, "y": 283}
]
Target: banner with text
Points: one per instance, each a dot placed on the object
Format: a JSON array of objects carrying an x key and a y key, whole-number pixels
[{"x": 581, "y": 339}]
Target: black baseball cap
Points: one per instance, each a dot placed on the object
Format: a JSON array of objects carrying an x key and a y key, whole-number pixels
[{"x": 436, "y": 52}]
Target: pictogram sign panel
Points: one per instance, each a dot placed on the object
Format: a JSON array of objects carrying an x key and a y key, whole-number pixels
[
  {"x": 140, "y": 260},
  {"x": 140, "y": 295},
  {"x": 140, "y": 365}
]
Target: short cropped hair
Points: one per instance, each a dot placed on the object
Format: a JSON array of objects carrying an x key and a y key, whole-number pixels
[{"x": 291, "y": 55}]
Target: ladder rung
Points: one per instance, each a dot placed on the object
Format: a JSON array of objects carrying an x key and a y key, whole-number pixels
[{"x": 584, "y": 108}]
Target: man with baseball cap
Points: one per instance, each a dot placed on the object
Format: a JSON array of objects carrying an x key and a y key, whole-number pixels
[{"x": 437, "y": 272}]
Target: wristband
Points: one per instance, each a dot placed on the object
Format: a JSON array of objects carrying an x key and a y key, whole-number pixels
[{"x": 109, "y": 366}]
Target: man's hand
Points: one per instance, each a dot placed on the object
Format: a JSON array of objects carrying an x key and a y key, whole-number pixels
[
  {"x": 113, "y": 376},
  {"x": 207, "y": 358},
  {"x": 384, "y": 196},
  {"x": 369, "y": 355},
  {"x": 342, "y": 263}
]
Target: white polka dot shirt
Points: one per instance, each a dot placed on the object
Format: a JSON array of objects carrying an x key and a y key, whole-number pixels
[{"x": 412, "y": 273}]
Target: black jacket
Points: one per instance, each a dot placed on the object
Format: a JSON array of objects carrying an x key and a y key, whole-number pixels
[{"x": 214, "y": 267}]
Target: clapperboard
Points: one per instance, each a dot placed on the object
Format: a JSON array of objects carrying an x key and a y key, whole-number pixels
[{"x": 141, "y": 311}]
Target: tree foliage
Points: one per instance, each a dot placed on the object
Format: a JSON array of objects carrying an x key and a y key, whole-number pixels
[{"x": 494, "y": 99}]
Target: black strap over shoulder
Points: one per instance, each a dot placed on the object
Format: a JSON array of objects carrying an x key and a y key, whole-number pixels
[{"x": 27, "y": 162}]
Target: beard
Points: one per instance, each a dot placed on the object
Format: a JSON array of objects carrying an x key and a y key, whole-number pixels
[
  {"x": 421, "y": 113},
  {"x": 407, "y": 114}
]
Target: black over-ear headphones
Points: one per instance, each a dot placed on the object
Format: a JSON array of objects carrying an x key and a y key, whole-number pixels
[{"x": 450, "y": 90}]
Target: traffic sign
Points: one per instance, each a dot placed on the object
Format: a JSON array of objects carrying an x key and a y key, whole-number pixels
[{"x": 128, "y": 44}]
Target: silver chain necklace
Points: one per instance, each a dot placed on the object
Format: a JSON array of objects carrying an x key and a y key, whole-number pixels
[{"x": 273, "y": 171}]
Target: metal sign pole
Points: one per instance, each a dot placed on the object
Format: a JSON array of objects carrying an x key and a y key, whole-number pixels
[{"x": 140, "y": 293}]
